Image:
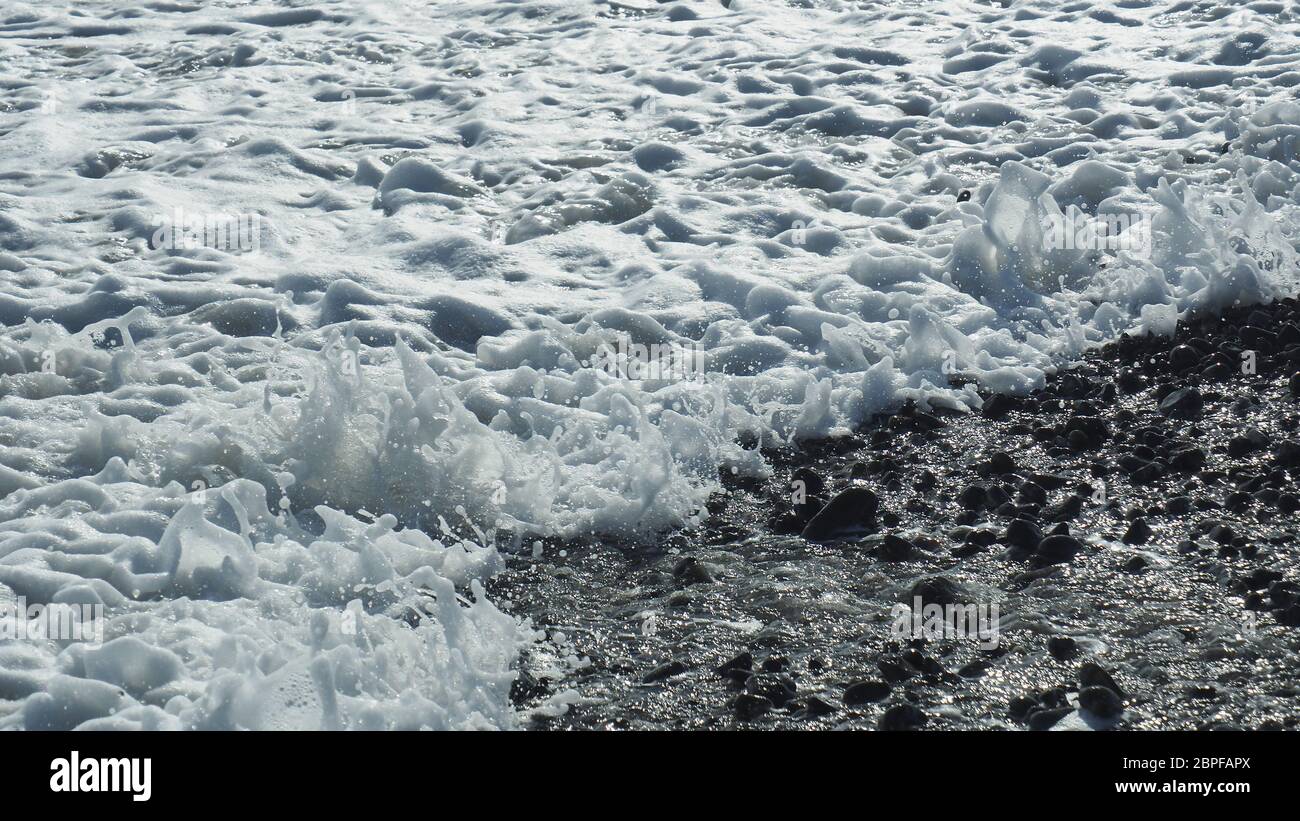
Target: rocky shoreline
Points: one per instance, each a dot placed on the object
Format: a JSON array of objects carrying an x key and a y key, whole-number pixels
[{"x": 1134, "y": 522}]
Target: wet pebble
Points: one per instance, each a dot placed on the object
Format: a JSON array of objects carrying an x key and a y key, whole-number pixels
[
  {"x": 852, "y": 510},
  {"x": 866, "y": 692},
  {"x": 902, "y": 717}
]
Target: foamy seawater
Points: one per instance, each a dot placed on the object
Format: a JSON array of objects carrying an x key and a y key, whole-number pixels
[{"x": 309, "y": 309}]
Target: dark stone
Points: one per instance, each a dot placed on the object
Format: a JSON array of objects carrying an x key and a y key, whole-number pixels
[
  {"x": 895, "y": 548},
  {"x": 973, "y": 497},
  {"x": 666, "y": 670},
  {"x": 852, "y": 510},
  {"x": 1148, "y": 473},
  {"x": 997, "y": 406},
  {"x": 865, "y": 692},
  {"x": 1184, "y": 403},
  {"x": 1130, "y": 380},
  {"x": 775, "y": 687},
  {"x": 922, "y": 662},
  {"x": 1183, "y": 357},
  {"x": 1288, "y": 616},
  {"x": 936, "y": 590},
  {"x": 1135, "y": 565},
  {"x": 1054, "y": 697},
  {"x": 1258, "y": 339},
  {"x": 974, "y": 670},
  {"x": 1293, "y": 384},
  {"x": 1058, "y": 549},
  {"x": 1070, "y": 507},
  {"x": 1092, "y": 674},
  {"x": 749, "y": 706},
  {"x": 1187, "y": 460},
  {"x": 1073, "y": 385},
  {"x": 892, "y": 670},
  {"x": 1022, "y": 706},
  {"x": 1050, "y": 481},
  {"x": 901, "y": 717},
  {"x": 1062, "y": 648},
  {"x": 1001, "y": 462},
  {"x": 1101, "y": 701},
  {"x": 812, "y": 483},
  {"x": 690, "y": 571},
  {"x": 815, "y": 707},
  {"x": 1033, "y": 493},
  {"x": 1023, "y": 534},
  {"x": 964, "y": 196},
  {"x": 1284, "y": 593},
  {"x": 738, "y": 667},
  {"x": 1222, "y": 533},
  {"x": 997, "y": 496},
  {"x": 1259, "y": 578},
  {"x": 1248, "y": 442},
  {"x": 526, "y": 686},
  {"x": 1287, "y": 454},
  {"x": 1139, "y": 532},
  {"x": 1046, "y": 718},
  {"x": 775, "y": 664}
]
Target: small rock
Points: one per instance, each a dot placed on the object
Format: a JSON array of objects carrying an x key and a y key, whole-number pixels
[
  {"x": 1287, "y": 454},
  {"x": 749, "y": 706},
  {"x": 850, "y": 511},
  {"x": 936, "y": 590},
  {"x": 775, "y": 664},
  {"x": 1184, "y": 403},
  {"x": 973, "y": 497},
  {"x": 973, "y": 670},
  {"x": 1248, "y": 442},
  {"x": 1058, "y": 549},
  {"x": 815, "y": 707},
  {"x": 1023, "y": 534},
  {"x": 1183, "y": 357},
  {"x": 1033, "y": 493},
  {"x": 738, "y": 668},
  {"x": 1139, "y": 532},
  {"x": 997, "y": 406},
  {"x": 901, "y": 717},
  {"x": 1046, "y": 718},
  {"x": 526, "y": 686},
  {"x": 1062, "y": 648},
  {"x": 1001, "y": 462},
  {"x": 812, "y": 483},
  {"x": 1022, "y": 706},
  {"x": 1223, "y": 533},
  {"x": 893, "y": 671},
  {"x": 1092, "y": 674},
  {"x": 866, "y": 692},
  {"x": 691, "y": 571},
  {"x": 1187, "y": 460},
  {"x": 666, "y": 670},
  {"x": 895, "y": 548},
  {"x": 1101, "y": 701},
  {"x": 775, "y": 687},
  {"x": 1070, "y": 507}
]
